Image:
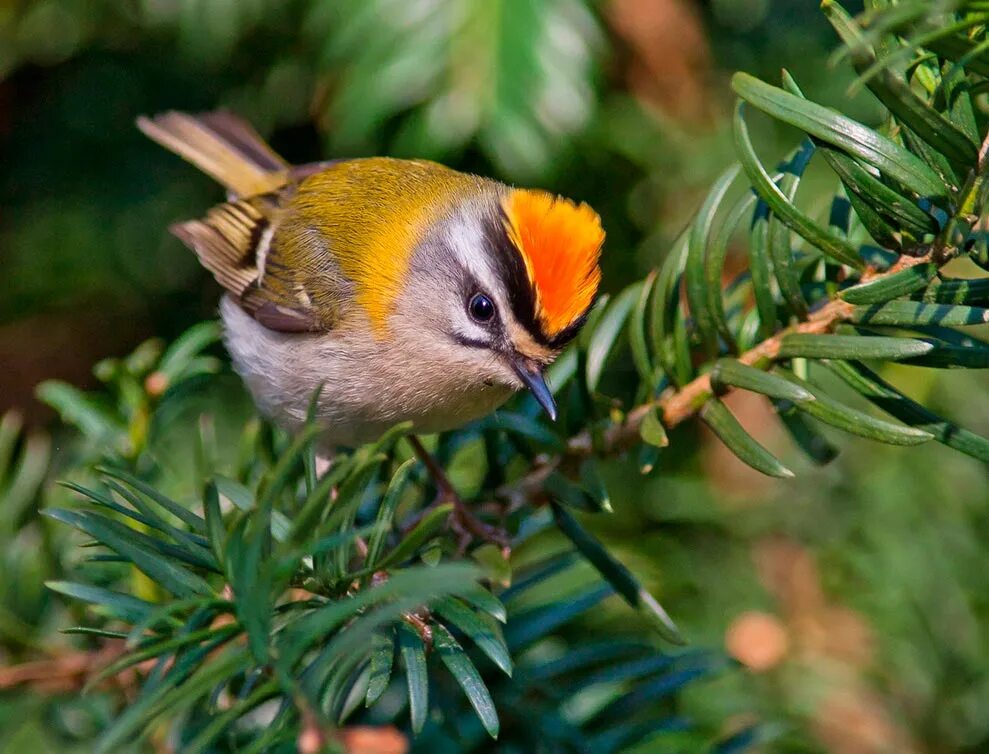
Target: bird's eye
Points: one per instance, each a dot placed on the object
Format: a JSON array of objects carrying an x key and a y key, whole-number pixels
[{"x": 481, "y": 308}]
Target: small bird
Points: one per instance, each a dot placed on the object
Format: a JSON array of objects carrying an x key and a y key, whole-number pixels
[{"x": 402, "y": 290}]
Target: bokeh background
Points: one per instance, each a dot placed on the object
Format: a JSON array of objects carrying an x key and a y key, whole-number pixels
[{"x": 855, "y": 596}]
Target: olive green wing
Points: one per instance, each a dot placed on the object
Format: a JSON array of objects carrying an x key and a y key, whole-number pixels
[{"x": 238, "y": 242}]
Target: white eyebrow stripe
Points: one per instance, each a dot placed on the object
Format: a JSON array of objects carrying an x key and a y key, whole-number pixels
[
  {"x": 464, "y": 239},
  {"x": 464, "y": 236}
]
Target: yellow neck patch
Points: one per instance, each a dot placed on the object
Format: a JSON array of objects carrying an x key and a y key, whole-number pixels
[{"x": 560, "y": 243}]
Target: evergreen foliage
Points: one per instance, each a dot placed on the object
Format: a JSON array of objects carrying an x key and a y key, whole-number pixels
[{"x": 268, "y": 607}]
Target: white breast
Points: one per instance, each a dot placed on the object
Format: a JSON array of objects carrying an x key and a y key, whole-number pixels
[{"x": 368, "y": 385}]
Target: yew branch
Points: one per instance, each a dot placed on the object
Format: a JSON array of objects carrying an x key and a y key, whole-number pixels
[{"x": 679, "y": 404}]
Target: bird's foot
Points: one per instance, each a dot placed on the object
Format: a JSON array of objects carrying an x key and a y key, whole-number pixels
[
  {"x": 467, "y": 526},
  {"x": 470, "y": 528}
]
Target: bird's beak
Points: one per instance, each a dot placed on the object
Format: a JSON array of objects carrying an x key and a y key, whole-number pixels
[{"x": 532, "y": 377}]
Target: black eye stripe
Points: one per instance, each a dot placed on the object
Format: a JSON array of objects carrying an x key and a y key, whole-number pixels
[
  {"x": 469, "y": 342},
  {"x": 511, "y": 271}
]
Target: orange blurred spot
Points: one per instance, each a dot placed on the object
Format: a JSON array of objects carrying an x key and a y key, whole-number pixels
[
  {"x": 155, "y": 384},
  {"x": 757, "y": 640},
  {"x": 364, "y": 739}
]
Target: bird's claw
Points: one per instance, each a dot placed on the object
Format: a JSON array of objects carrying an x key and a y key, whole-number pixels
[{"x": 469, "y": 528}]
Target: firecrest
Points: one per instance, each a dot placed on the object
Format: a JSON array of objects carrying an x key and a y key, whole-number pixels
[{"x": 408, "y": 291}]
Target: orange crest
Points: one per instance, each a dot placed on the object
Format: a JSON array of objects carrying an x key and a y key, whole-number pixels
[{"x": 560, "y": 243}]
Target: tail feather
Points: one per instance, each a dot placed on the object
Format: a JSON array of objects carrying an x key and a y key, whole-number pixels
[{"x": 222, "y": 146}]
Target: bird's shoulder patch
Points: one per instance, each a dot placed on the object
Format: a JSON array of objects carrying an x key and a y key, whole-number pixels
[{"x": 373, "y": 214}]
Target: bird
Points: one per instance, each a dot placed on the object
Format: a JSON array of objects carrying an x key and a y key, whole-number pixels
[{"x": 393, "y": 290}]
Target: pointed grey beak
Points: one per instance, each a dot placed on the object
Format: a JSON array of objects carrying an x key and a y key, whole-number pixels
[{"x": 532, "y": 377}]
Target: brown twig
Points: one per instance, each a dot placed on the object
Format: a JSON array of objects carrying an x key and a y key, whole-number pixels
[
  {"x": 676, "y": 405},
  {"x": 983, "y": 152},
  {"x": 418, "y": 621},
  {"x": 67, "y": 671}
]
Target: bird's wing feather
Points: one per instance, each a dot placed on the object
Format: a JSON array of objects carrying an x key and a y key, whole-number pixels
[{"x": 236, "y": 241}]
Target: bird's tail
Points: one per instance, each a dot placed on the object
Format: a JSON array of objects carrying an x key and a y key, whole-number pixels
[{"x": 222, "y": 146}]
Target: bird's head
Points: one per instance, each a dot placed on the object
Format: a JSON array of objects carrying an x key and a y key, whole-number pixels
[{"x": 515, "y": 277}]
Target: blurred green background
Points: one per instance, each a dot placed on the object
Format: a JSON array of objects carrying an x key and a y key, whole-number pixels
[{"x": 854, "y": 596}]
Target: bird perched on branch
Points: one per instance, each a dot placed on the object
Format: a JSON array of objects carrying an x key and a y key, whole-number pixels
[{"x": 408, "y": 291}]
